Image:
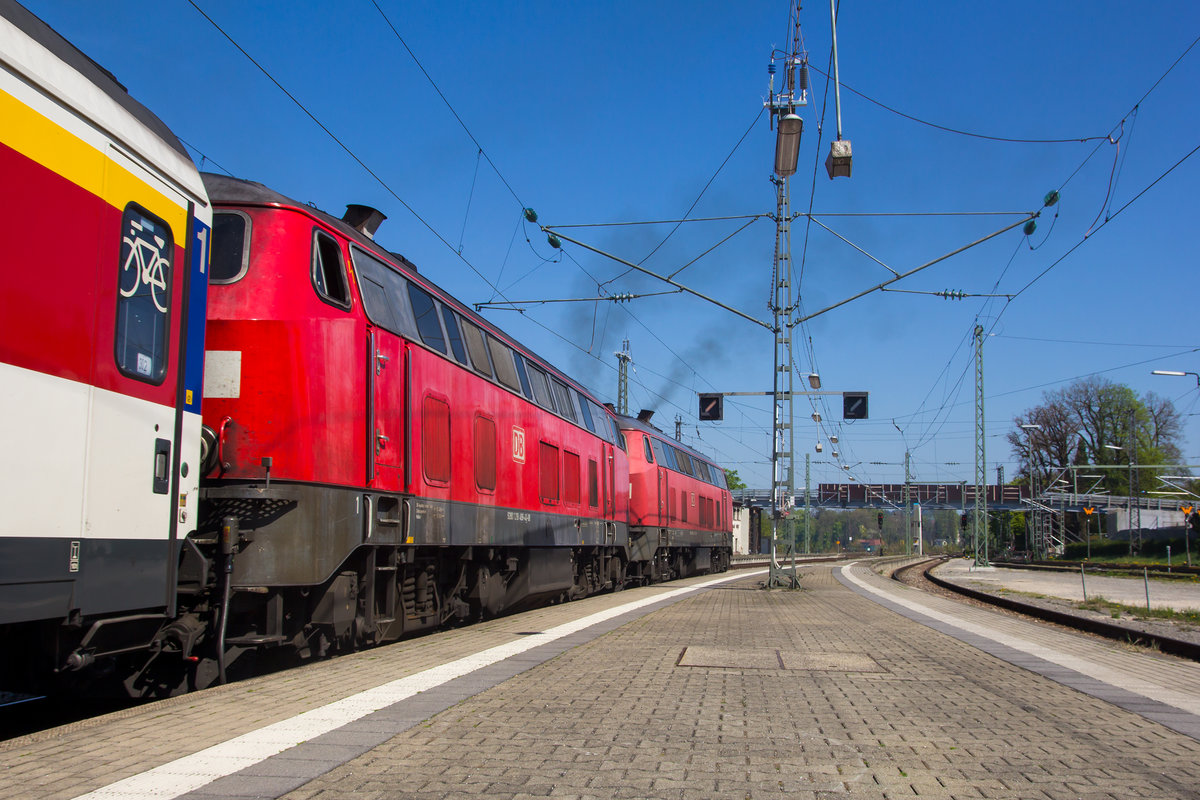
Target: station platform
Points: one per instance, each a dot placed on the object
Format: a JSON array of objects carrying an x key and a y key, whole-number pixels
[
  {"x": 1180, "y": 595},
  {"x": 704, "y": 688}
]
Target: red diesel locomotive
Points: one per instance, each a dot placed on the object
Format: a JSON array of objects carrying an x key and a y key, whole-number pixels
[
  {"x": 680, "y": 509},
  {"x": 382, "y": 460}
]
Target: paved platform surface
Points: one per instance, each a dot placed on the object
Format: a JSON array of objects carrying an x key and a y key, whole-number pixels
[
  {"x": 1179, "y": 594},
  {"x": 854, "y": 686}
]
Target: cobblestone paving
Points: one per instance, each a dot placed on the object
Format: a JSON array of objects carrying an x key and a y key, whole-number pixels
[{"x": 908, "y": 712}]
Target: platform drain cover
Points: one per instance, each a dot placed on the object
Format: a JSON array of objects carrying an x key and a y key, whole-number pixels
[{"x": 764, "y": 658}]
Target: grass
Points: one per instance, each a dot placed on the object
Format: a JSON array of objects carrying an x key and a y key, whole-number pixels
[{"x": 1104, "y": 605}]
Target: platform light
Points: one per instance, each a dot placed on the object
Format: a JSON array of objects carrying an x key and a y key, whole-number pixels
[
  {"x": 787, "y": 144},
  {"x": 814, "y": 381}
]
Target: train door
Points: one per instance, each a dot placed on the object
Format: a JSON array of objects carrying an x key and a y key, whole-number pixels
[
  {"x": 609, "y": 482},
  {"x": 385, "y": 375},
  {"x": 663, "y": 494},
  {"x": 143, "y": 437}
]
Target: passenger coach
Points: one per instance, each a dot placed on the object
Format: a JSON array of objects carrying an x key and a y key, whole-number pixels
[{"x": 103, "y": 245}]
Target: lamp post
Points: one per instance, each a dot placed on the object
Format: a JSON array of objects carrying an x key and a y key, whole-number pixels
[
  {"x": 1033, "y": 543},
  {"x": 1177, "y": 374},
  {"x": 1129, "y": 499}
]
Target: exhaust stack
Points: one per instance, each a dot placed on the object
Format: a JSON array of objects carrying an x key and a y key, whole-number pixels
[{"x": 364, "y": 219}]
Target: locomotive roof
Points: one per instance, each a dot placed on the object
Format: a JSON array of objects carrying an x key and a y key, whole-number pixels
[
  {"x": 33, "y": 27},
  {"x": 645, "y": 427},
  {"x": 237, "y": 191}
]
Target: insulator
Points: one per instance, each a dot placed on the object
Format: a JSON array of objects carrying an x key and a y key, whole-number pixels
[
  {"x": 804, "y": 77},
  {"x": 771, "y": 68},
  {"x": 554, "y": 241},
  {"x": 1030, "y": 227},
  {"x": 531, "y": 215},
  {"x": 1051, "y": 198}
]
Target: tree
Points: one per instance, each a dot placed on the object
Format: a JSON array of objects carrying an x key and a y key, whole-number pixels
[
  {"x": 1096, "y": 421},
  {"x": 733, "y": 481}
]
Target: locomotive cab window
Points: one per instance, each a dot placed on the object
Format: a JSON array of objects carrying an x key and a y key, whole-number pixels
[
  {"x": 328, "y": 272},
  {"x": 649, "y": 453},
  {"x": 230, "y": 247},
  {"x": 144, "y": 272}
]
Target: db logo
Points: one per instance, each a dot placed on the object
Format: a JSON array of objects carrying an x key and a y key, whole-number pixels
[{"x": 518, "y": 445}]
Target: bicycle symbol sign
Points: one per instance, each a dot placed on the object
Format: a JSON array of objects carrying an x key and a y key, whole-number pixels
[{"x": 146, "y": 266}]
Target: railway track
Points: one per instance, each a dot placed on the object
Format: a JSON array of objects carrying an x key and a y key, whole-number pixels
[{"x": 920, "y": 576}]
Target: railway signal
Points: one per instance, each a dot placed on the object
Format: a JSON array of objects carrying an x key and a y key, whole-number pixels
[
  {"x": 854, "y": 405},
  {"x": 711, "y": 407}
]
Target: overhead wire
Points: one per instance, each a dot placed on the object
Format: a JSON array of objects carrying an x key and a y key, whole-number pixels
[
  {"x": 698, "y": 197},
  {"x": 442, "y": 95},
  {"x": 345, "y": 148}
]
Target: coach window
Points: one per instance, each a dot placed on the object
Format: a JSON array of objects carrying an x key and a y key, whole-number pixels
[
  {"x": 548, "y": 472},
  {"x": 476, "y": 347},
  {"x": 649, "y": 453},
  {"x": 428, "y": 324},
  {"x": 144, "y": 295},
  {"x": 230, "y": 247},
  {"x": 502, "y": 358},
  {"x": 456, "y": 342},
  {"x": 485, "y": 454},
  {"x": 435, "y": 439},
  {"x": 328, "y": 272}
]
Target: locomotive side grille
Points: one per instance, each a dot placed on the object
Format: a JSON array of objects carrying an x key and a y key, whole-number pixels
[{"x": 252, "y": 512}]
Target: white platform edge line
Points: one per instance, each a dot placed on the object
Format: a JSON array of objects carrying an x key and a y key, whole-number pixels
[{"x": 191, "y": 772}]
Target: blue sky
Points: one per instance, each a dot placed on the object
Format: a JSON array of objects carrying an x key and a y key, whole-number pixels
[{"x": 624, "y": 112}]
